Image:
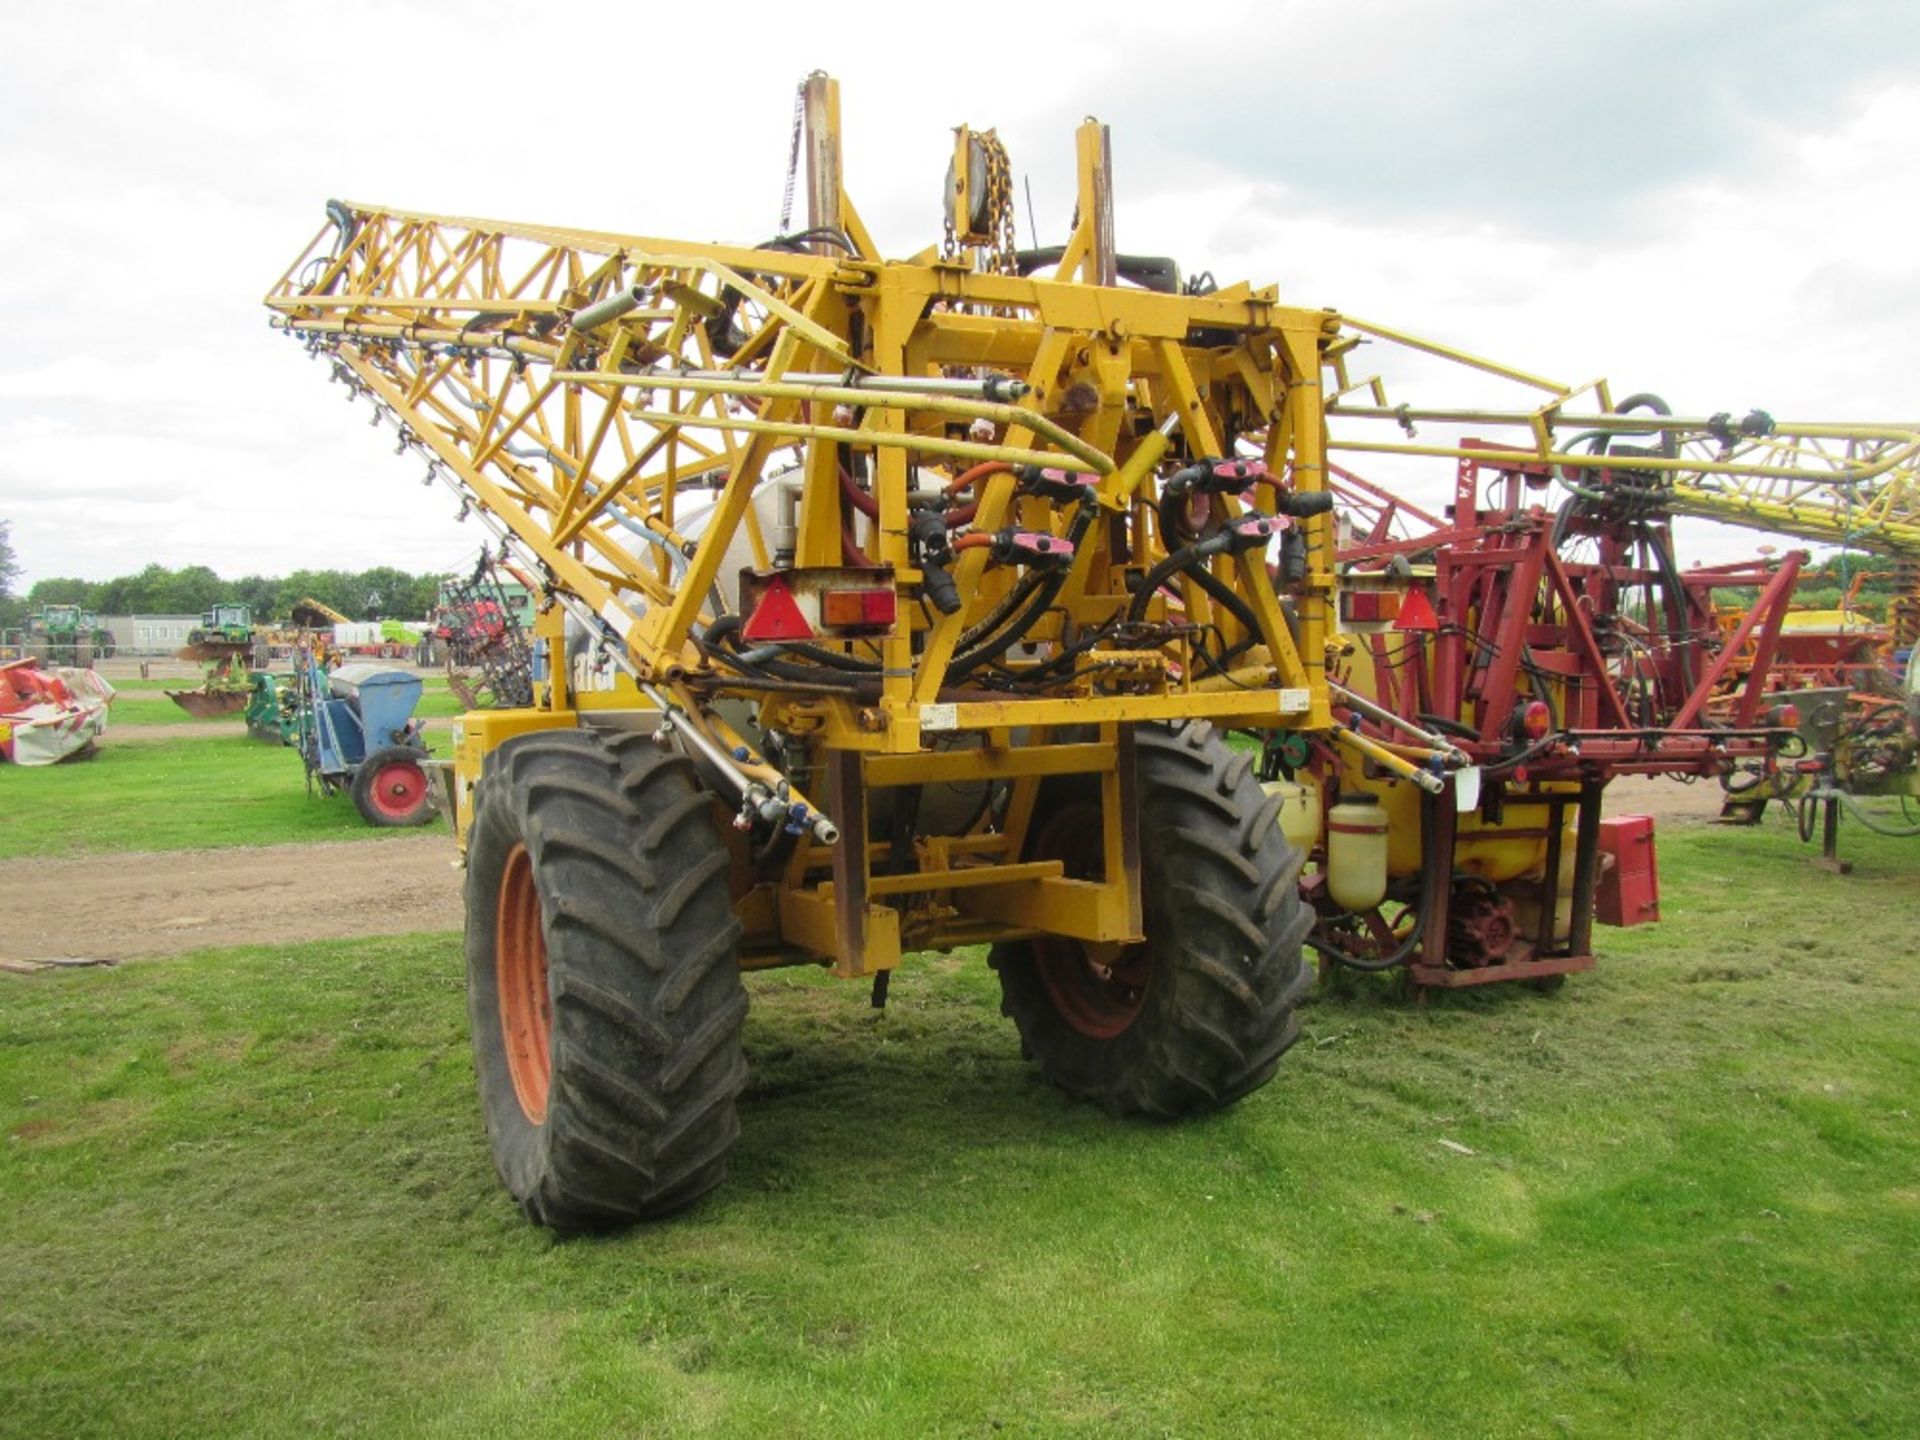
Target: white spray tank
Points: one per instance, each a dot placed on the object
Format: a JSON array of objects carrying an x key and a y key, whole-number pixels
[{"x": 1357, "y": 854}]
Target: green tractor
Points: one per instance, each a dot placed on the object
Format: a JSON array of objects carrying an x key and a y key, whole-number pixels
[
  {"x": 224, "y": 625},
  {"x": 67, "y": 635},
  {"x": 223, "y": 644}
]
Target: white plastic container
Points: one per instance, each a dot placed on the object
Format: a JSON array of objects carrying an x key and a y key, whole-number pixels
[
  {"x": 1299, "y": 811},
  {"x": 1357, "y": 854}
]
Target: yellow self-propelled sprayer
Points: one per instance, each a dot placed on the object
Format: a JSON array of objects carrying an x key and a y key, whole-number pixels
[
  {"x": 902, "y": 605},
  {"x": 888, "y": 608}
]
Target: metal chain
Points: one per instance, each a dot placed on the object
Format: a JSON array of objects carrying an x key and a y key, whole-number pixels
[
  {"x": 1004, "y": 238},
  {"x": 793, "y": 157}
]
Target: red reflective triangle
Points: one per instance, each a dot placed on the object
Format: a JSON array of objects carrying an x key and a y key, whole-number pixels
[
  {"x": 1416, "y": 613},
  {"x": 778, "y": 616}
]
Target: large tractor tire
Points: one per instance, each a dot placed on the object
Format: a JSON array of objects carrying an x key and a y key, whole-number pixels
[
  {"x": 1199, "y": 1014},
  {"x": 390, "y": 788},
  {"x": 602, "y": 979}
]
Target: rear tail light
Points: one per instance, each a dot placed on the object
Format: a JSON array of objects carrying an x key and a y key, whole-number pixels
[
  {"x": 858, "y": 609},
  {"x": 1536, "y": 720},
  {"x": 818, "y": 602}
]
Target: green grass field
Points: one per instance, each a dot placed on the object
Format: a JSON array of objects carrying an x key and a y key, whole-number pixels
[
  {"x": 140, "y": 703},
  {"x": 247, "y": 1193},
  {"x": 223, "y": 789}
]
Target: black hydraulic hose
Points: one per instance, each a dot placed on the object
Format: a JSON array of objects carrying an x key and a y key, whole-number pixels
[
  {"x": 1647, "y": 400},
  {"x": 1151, "y": 582},
  {"x": 832, "y": 659},
  {"x": 1433, "y": 874},
  {"x": 999, "y": 644},
  {"x": 1190, "y": 560},
  {"x": 799, "y": 240},
  {"x": 721, "y": 640},
  {"x": 727, "y": 630},
  {"x": 1514, "y": 762},
  {"x": 1027, "y": 585},
  {"x": 1213, "y": 585},
  {"x": 810, "y": 674},
  {"x": 1563, "y": 519},
  {"x": 1008, "y": 606},
  {"x": 1044, "y": 586},
  {"x": 720, "y": 629},
  {"x": 813, "y": 675},
  {"x": 1446, "y": 726},
  {"x": 1150, "y": 272},
  {"x": 1600, "y": 442},
  {"x": 1069, "y": 653},
  {"x": 1879, "y": 827},
  {"x": 1682, "y": 637}
]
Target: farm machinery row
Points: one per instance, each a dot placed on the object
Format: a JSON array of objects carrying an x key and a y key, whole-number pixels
[
  {"x": 53, "y": 706},
  {"x": 56, "y": 635},
  {"x": 896, "y": 606}
]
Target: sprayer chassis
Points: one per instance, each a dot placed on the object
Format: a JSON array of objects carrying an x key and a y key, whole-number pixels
[{"x": 570, "y": 383}]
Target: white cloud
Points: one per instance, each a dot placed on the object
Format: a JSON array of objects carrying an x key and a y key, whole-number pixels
[{"x": 1607, "y": 190}]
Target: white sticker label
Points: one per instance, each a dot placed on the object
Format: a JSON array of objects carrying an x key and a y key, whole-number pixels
[
  {"x": 1466, "y": 788},
  {"x": 592, "y": 673},
  {"x": 939, "y": 717},
  {"x": 617, "y": 617},
  {"x": 1295, "y": 702}
]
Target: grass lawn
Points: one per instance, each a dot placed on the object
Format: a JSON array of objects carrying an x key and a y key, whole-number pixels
[
  {"x": 247, "y": 1192},
  {"x": 226, "y": 789},
  {"x": 144, "y": 702}
]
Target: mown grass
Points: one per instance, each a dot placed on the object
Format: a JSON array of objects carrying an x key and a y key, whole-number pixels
[
  {"x": 141, "y": 703},
  {"x": 247, "y": 1193},
  {"x": 222, "y": 789}
]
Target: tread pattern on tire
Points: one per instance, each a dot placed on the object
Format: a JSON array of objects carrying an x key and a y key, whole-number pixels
[
  {"x": 1227, "y": 922},
  {"x": 642, "y": 948}
]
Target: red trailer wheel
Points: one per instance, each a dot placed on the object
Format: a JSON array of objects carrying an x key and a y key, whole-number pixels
[{"x": 390, "y": 788}]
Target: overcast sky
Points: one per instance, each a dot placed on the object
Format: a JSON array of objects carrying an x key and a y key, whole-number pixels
[{"x": 1712, "y": 200}]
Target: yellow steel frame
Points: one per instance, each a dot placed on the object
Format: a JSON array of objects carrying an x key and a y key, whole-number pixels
[
  {"x": 1839, "y": 484},
  {"x": 609, "y": 404}
]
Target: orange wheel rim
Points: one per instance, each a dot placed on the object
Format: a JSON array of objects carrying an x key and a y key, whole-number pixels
[
  {"x": 1099, "y": 990},
  {"x": 526, "y": 1009}
]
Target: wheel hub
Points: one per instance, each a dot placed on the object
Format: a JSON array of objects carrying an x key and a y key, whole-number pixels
[
  {"x": 1097, "y": 988},
  {"x": 398, "y": 788}
]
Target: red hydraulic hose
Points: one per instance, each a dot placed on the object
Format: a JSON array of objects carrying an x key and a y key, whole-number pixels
[
  {"x": 856, "y": 497},
  {"x": 964, "y": 514}
]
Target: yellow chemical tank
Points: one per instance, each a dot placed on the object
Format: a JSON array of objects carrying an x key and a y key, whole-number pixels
[{"x": 1510, "y": 850}]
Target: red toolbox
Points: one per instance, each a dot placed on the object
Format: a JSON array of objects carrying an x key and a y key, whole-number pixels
[{"x": 1628, "y": 892}]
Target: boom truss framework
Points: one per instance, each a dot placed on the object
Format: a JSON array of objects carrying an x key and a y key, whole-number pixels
[{"x": 1855, "y": 485}]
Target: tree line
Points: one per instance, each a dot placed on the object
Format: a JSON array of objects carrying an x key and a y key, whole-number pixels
[
  {"x": 380, "y": 593},
  {"x": 1824, "y": 584}
]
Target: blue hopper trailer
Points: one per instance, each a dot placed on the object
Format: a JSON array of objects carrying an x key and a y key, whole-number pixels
[{"x": 357, "y": 732}]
